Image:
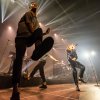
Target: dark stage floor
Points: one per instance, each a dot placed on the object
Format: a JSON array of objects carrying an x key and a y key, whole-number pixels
[{"x": 56, "y": 92}]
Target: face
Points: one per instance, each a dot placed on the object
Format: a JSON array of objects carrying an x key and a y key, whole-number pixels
[
  {"x": 71, "y": 47},
  {"x": 33, "y": 5}
]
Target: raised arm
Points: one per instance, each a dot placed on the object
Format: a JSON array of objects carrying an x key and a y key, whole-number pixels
[{"x": 52, "y": 57}]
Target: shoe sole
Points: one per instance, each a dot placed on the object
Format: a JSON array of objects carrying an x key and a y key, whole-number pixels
[{"x": 45, "y": 47}]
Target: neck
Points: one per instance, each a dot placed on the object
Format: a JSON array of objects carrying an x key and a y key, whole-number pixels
[{"x": 33, "y": 10}]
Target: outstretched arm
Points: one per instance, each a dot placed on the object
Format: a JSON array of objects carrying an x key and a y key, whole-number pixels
[{"x": 52, "y": 57}]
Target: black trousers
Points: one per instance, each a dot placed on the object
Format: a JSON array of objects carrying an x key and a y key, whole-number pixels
[
  {"x": 74, "y": 65},
  {"x": 20, "y": 45},
  {"x": 40, "y": 67}
]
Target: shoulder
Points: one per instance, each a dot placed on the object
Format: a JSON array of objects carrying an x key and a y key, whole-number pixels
[{"x": 30, "y": 13}]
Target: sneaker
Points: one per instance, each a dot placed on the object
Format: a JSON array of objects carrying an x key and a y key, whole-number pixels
[
  {"x": 15, "y": 96},
  {"x": 82, "y": 80},
  {"x": 25, "y": 74},
  {"x": 43, "y": 86},
  {"x": 27, "y": 77}
]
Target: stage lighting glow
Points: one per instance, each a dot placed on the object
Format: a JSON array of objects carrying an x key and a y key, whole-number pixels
[
  {"x": 89, "y": 54},
  {"x": 25, "y": 2},
  {"x": 62, "y": 39},
  {"x": 40, "y": 24},
  {"x": 10, "y": 28},
  {"x": 59, "y": 17},
  {"x": 93, "y": 53},
  {"x": 53, "y": 48},
  {"x": 62, "y": 61},
  {"x": 12, "y": 1},
  {"x": 10, "y": 14},
  {"x": 10, "y": 33},
  {"x": 86, "y": 55},
  {"x": 3, "y": 11},
  {"x": 55, "y": 34},
  {"x": 43, "y": 5},
  {"x": 6, "y": 6}
]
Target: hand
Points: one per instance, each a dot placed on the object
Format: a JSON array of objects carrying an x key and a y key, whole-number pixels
[
  {"x": 69, "y": 64},
  {"x": 47, "y": 31},
  {"x": 74, "y": 59},
  {"x": 56, "y": 60}
]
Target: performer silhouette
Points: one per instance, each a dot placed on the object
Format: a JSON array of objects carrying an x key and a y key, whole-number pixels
[
  {"x": 40, "y": 67},
  {"x": 28, "y": 33},
  {"x": 72, "y": 59}
]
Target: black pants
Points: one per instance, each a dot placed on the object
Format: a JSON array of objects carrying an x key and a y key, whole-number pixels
[
  {"x": 76, "y": 64},
  {"x": 40, "y": 67},
  {"x": 20, "y": 45}
]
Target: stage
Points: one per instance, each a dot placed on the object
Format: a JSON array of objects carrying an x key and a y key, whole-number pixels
[{"x": 56, "y": 92}]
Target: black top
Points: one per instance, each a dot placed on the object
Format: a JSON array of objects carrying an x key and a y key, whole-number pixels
[{"x": 71, "y": 54}]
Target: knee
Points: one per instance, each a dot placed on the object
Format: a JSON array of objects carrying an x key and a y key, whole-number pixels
[{"x": 74, "y": 71}]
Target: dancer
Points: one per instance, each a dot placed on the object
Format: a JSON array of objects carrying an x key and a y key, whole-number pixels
[
  {"x": 28, "y": 33},
  {"x": 40, "y": 67},
  {"x": 72, "y": 58}
]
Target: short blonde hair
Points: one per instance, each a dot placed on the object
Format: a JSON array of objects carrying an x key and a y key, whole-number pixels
[{"x": 71, "y": 47}]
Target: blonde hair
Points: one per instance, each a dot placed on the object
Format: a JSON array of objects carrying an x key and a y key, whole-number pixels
[{"x": 71, "y": 47}]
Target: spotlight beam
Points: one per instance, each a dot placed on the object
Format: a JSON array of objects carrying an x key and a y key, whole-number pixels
[
  {"x": 78, "y": 23},
  {"x": 2, "y": 8},
  {"x": 64, "y": 12},
  {"x": 5, "y": 7},
  {"x": 86, "y": 18},
  {"x": 44, "y": 5},
  {"x": 16, "y": 9},
  {"x": 22, "y": 3}
]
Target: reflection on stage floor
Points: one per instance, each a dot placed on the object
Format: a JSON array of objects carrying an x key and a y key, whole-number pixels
[{"x": 56, "y": 92}]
